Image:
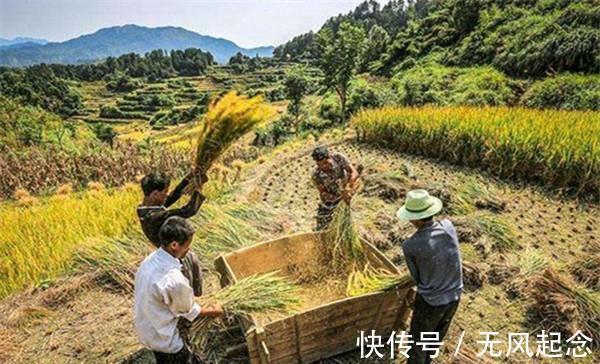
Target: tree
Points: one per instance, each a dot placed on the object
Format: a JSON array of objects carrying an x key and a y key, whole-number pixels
[
  {"x": 340, "y": 55},
  {"x": 296, "y": 86},
  {"x": 104, "y": 133},
  {"x": 376, "y": 46}
]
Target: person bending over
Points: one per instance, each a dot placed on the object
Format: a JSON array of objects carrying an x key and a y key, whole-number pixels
[{"x": 162, "y": 295}]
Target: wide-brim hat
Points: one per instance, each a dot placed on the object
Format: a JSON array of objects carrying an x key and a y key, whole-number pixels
[{"x": 419, "y": 205}]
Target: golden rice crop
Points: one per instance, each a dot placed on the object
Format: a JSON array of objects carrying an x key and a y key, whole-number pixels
[
  {"x": 227, "y": 119},
  {"x": 341, "y": 237},
  {"x": 38, "y": 242},
  {"x": 559, "y": 149},
  {"x": 373, "y": 280},
  {"x": 264, "y": 293}
]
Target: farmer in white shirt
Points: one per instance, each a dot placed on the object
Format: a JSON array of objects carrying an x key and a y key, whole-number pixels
[{"x": 163, "y": 295}]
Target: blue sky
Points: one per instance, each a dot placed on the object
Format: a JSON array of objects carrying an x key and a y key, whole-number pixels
[{"x": 249, "y": 23}]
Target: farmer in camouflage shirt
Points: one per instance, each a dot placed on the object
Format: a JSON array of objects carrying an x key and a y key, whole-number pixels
[{"x": 334, "y": 177}]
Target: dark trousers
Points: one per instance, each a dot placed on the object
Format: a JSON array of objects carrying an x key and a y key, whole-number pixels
[
  {"x": 183, "y": 356},
  {"x": 325, "y": 214},
  {"x": 427, "y": 318},
  {"x": 190, "y": 267}
]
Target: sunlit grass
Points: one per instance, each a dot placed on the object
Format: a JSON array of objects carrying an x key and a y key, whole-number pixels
[{"x": 38, "y": 241}]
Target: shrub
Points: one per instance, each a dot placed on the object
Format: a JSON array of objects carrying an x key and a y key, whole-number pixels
[
  {"x": 365, "y": 94},
  {"x": 482, "y": 86},
  {"x": 111, "y": 112},
  {"x": 25, "y": 125},
  {"x": 440, "y": 85},
  {"x": 104, "y": 132},
  {"x": 428, "y": 84},
  {"x": 176, "y": 116},
  {"x": 275, "y": 133},
  {"x": 276, "y": 94},
  {"x": 329, "y": 109},
  {"x": 122, "y": 84},
  {"x": 567, "y": 91}
]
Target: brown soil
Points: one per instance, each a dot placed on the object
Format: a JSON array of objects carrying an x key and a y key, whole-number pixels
[{"x": 95, "y": 325}]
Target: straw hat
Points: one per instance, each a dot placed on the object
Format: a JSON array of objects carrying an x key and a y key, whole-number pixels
[{"x": 419, "y": 205}]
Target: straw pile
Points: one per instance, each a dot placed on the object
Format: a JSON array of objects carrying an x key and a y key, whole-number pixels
[
  {"x": 227, "y": 119},
  {"x": 564, "y": 306},
  {"x": 265, "y": 293}
]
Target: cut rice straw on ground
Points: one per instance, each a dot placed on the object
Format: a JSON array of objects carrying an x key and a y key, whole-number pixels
[
  {"x": 565, "y": 306},
  {"x": 227, "y": 119}
]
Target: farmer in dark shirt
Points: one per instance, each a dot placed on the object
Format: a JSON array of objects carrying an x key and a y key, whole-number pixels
[
  {"x": 433, "y": 259},
  {"x": 154, "y": 211},
  {"x": 334, "y": 177}
]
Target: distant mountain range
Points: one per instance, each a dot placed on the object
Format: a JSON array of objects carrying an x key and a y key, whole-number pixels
[
  {"x": 20, "y": 41},
  {"x": 118, "y": 40}
]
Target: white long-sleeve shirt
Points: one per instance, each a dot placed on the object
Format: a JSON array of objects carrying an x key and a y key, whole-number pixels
[{"x": 162, "y": 294}]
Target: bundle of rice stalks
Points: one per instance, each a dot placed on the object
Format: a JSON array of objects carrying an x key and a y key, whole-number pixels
[
  {"x": 518, "y": 271},
  {"x": 114, "y": 262},
  {"x": 473, "y": 276},
  {"x": 480, "y": 196},
  {"x": 226, "y": 121},
  {"x": 373, "y": 280},
  {"x": 587, "y": 271},
  {"x": 565, "y": 306},
  {"x": 342, "y": 238},
  {"x": 389, "y": 186},
  {"x": 265, "y": 293},
  {"x": 500, "y": 231}
]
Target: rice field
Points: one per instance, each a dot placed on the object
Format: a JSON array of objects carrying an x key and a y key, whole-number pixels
[
  {"x": 557, "y": 149},
  {"x": 40, "y": 239}
]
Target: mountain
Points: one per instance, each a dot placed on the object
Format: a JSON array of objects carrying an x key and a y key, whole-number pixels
[
  {"x": 118, "y": 40},
  {"x": 20, "y": 41}
]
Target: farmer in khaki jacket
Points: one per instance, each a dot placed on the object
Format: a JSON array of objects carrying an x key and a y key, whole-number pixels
[
  {"x": 433, "y": 259},
  {"x": 334, "y": 177}
]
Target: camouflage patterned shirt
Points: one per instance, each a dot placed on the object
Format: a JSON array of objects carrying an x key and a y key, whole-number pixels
[{"x": 332, "y": 181}]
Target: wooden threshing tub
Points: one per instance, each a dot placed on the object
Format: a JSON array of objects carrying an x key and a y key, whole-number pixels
[{"x": 320, "y": 332}]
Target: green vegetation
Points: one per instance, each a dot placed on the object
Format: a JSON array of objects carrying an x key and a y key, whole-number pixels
[
  {"x": 178, "y": 115},
  {"x": 339, "y": 57},
  {"x": 122, "y": 83},
  {"x": 40, "y": 86},
  {"x": 104, "y": 133},
  {"x": 566, "y": 91},
  {"x": 154, "y": 65},
  {"x": 27, "y": 125},
  {"x": 521, "y": 38},
  {"x": 433, "y": 83},
  {"x": 297, "y": 86}
]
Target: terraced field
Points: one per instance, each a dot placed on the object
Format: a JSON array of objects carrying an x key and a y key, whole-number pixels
[{"x": 524, "y": 225}]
